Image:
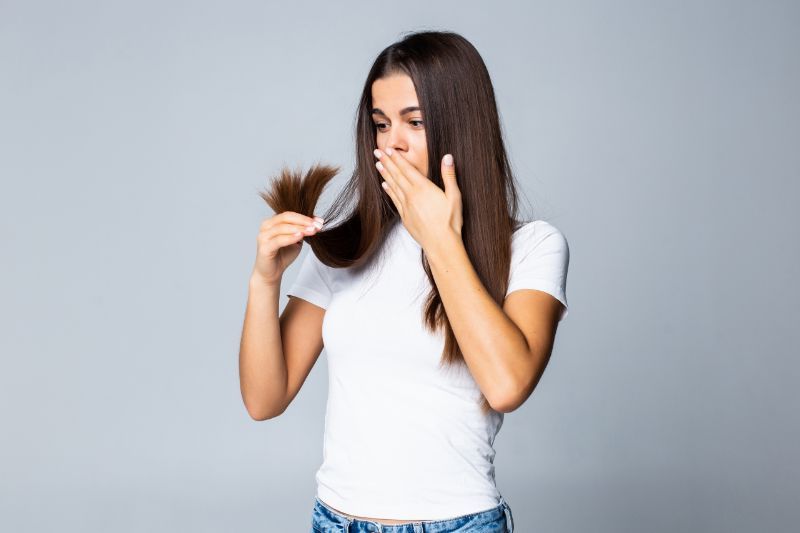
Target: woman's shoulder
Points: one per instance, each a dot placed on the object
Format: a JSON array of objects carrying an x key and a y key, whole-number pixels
[
  {"x": 537, "y": 228},
  {"x": 538, "y": 237}
]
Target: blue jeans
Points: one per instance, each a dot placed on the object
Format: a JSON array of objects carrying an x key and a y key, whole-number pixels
[{"x": 495, "y": 520}]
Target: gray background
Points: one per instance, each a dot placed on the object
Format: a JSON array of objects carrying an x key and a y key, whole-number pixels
[{"x": 662, "y": 139}]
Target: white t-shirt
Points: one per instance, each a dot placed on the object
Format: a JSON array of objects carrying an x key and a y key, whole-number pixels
[{"x": 405, "y": 439}]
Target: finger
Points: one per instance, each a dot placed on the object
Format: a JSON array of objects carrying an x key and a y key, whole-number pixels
[
  {"x": 288, "y": 240},
  {"x": 294, "y": 218},
  {"x": 390, "y": 184},
  {"x": 393, "y": 196},
  {"x": 404, "y": 167},
  {"x": 317, "y": 221},
  {"x": 289, "y": 236},
  {"x": 287, "y": 228},
  {"x": 449, "y": 176},
  {"x": 392, "y": 169}
]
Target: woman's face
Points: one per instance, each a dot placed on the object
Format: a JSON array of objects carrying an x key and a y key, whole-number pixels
[{"x": 398, "y": 120}]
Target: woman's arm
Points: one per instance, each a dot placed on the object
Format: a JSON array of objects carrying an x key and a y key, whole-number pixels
[
  {"x": 262, "y": 366},
  {"x": 506, "y": 357},
  {"x": 276, "y": 353}
]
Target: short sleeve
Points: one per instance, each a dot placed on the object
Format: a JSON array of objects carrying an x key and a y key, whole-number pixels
[
  {"x": 312, "y": 283},
  {"x": 540, "y": 260}
]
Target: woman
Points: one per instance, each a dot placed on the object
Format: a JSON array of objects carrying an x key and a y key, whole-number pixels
[{"x": 437, "y": 307}]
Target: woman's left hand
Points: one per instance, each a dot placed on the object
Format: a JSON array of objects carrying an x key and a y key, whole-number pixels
[{"x": 428, "y": 213}]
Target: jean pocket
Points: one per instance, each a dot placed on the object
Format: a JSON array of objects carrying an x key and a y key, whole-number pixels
[
  {"x": 325, "y": 528},
  {"x": 320, "y": 524}
]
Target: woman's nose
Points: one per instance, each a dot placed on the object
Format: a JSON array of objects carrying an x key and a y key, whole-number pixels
[
  {"x": 396, "y": 144},
  {"x": 396, "y": 141}
]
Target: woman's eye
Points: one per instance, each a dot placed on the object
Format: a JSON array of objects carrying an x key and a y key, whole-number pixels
[{"x": 379, "y": 125}]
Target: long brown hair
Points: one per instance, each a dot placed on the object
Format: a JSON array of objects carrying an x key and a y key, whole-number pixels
[{"x": 458, "y": 105}]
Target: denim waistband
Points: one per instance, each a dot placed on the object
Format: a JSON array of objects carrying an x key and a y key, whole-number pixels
[{"x": 349, "y": 525}]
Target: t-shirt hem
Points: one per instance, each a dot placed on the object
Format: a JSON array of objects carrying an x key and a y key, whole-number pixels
[
  {"x": 310, "y": 295},
  {"x": 541, "y": 285},
  {"x": 332, "y": 499}
]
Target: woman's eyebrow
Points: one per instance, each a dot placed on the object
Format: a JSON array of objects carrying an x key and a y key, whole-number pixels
[{"x": 377, "y": 111}]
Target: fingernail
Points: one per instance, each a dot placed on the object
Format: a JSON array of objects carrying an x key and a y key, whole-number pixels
[
  {"x": 377, "y": 153},
  {"x": 319, "y": 219},
  {"x": 318, "y": 224},
  {"x": 310, "y": 228},
  {"x": 448, "y": 160},
  {"x": 389, "y": 151}
]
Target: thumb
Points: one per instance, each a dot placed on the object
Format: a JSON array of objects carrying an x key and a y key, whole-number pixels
[{"x": 449, "y": 176}]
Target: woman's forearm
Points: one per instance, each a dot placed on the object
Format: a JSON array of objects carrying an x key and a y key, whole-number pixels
[{"x": 262, "y": 365}]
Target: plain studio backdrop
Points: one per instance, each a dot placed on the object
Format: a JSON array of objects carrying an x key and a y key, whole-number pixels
[{"x": 661, "y": 138}]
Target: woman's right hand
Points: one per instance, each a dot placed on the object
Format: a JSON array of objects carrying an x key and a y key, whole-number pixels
[{"x": 279, "y": 243}]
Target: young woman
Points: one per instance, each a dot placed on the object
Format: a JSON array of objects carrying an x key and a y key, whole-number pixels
[{"x": 437, "y": 307}]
